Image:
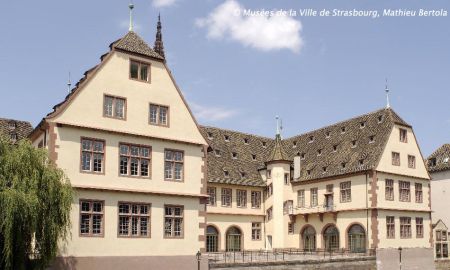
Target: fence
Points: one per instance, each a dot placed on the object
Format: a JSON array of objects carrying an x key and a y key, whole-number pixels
[{"x": 289, "y": 254}]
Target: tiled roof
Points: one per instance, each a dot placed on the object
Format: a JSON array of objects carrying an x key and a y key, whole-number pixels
[
  {"x": 278, "y": 153},
  {"x": 439, "y": 160},
  {"x": 349, "y": 146},
  {"x": 131, "y": 42},
  {"x": 9, "y": 127}
]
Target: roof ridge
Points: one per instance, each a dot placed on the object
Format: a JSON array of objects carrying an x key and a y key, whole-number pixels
[{"x": 241, "y": 132}]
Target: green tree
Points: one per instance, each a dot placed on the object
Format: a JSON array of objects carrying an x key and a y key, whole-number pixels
[{"x": 35, "y": 203}]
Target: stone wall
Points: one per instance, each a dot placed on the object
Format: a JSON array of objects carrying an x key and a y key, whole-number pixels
[
  {"x": 412, "y": 259},
  {"x": 368, "y": 263},
  {"x": 442, "y": 264}
]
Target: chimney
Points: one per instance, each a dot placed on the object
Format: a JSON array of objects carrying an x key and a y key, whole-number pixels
[{"x": 296, "y": 167}]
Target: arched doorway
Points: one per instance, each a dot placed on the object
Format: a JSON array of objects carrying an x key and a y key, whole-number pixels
[
  {"x": 309, "y": 238},
  {"x": 331, "y": 238},
  {"x": 356, "y": 238},
  {"x": 233, "y": 237},
  {"x": 212, "y": 239}
]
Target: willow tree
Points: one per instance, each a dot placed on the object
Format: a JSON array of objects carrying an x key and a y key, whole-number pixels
[{"x": 35, "y": 202}]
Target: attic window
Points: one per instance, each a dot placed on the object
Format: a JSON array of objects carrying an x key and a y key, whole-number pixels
[
  {"x": 324, "y": 169},
  {"x": 335, "y": 148},
  {"x": 311, "y": 139},
  {"x": 217, "y": 152},
  {"x": 13, "y": 137},
  {"x": 253, "y": 156},
  {"x": 226, "y": 138},
  {"x": 343, "y": 165},
  {"x": 226, "y": 173},
  {"x": 245, "y": 140},
  {"x": 371, "y": 139},
  {"x": 294, "y": 144},
  {"x": 210, "y": 135},
  {"x": 12, "y": 125},
  {"x": 380, "y": 119},
  {"x": 319, "y": 152},
  {"x": 361, "y": 162},
  {"x": 343, "y": 129},
  {"x": 362, "y": 124},
  {"x": 327, "y": 134},
  {"x": 354, "y": 143},
  {"x": 302, "y": 156},
  {"x": 432, "y": 162},
  {"x": 234, "y": 155},
  {"x": 139, "y": 71},
  {"x": 264, "y": 144},
  {"x": 308, "y": 172}
]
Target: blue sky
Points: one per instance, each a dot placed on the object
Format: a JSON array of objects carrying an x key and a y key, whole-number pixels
[{"x": 238, "y": 72}]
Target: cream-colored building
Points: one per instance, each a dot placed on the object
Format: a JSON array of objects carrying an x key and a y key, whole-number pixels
[{"x": 439, "y": 169}]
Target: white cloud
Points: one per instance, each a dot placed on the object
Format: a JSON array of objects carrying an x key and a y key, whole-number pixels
[
  {"x": 163, "y": 3},
  {"x": 211, "y": 114},
  {"x": 261, "y": 32}
]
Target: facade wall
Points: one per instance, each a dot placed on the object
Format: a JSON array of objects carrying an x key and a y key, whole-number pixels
[{"x": 440, "y": 192}]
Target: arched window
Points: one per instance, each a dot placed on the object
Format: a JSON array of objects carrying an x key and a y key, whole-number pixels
[
  {"x": 309, "y": 239},
  {"x": 356, "y": 238},
  {"x": 233, "y": 236},
  {"x": 212, "y": 239},
  {"x": 331, "y": 238}
]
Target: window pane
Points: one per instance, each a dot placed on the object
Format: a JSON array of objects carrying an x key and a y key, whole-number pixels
[
  {"x": 134, "y": 67},
  {"x": 123, "y": 149},
  {"x": 168, "y": 170},
  {"x": 153, "y": 114},
  {"x": 178, "y": 171},
  {"x": 108, "y": 106},
  {"x": 96, "y": 224},
  {"x": 97, "y": 207},
  {"x": 178, "y": 156},
  {"x": 98, "y": 146},
  {"x": 163, "y": 115},
  {"x": 134, "y": 226},
  {"x": 123, "y": 165},
  {"x": 144, "y": 167},
  {"x": 134, "y": 165},
  {"x": 144, "y": 209},
  {"x": 134, "y": 151},
  {"x": 120, "y": 108},
  {"x": 85, "y": 206},
  {"x": 168, "y": 226},
  {"x": 98, "y": 158},
  {"x": 123, "y": 225},
  {"x": 145, "y": 152},
  {"x": 169, "y": 155},
  {"x": 86, "y": 145},
  {"x": 86, "y": 161},
  {"x": 144, "y": 226},
  {"x": 84, "y": 224},
  {"x": 144, "y": 72},
  {"x": 177, "y": 227},
  {"x": 124, "y": 208}
]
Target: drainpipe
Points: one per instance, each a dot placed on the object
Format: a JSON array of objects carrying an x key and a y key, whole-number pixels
[{"x": 367, "y": 210}]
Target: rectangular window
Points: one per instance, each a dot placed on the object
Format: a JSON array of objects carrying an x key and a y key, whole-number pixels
[
  {"x": 403, "y": 135},
  {"x": 419, "y": 193},
  {"x": 404, "y": 190},
  {"x": 405, "y": 227},
  {"x": 269, "y": 214},
  {"x": 114, "y": 107},
  {"x": 389, "y": 189},
  {"x": 134, "y": 220},
  {"x": 419, "y": 227},
  {"x": 269, "y": 190},
  {"x": 212, "y": 196},
  {"x": 159, "y": 115},
  {"x": 301, "y": 198},
  {"x": 286, "y": 179},
  {"x": 241, "y": 198},
  {"x": 256, "y": 199},
  {"x": 139, "y": 71},
  {"x": 256, "y": 230},
  {"x": 173, "y": 221},
  {"x": 91, "y": 218},
  {"x": 134, "y": 160},
  {"x": 288, "y": 207},
  {"x": 395, "y": 159},
  {"x": 173, "y": 165},
  {"x": 291, "y": 228},
  {"x": 92, "y": 155},
  {"x": 226, "y": 197},
  {"x": 269, "y": 174},
  {"x": 411, "y": 162},
  {"x": 346, "y": 191},
  {"x": 390, "y": 227},
  {"x": 314, "y": 196}
]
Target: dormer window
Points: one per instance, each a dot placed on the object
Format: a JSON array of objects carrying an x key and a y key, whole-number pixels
[
  {"x": 354, "y": 143},
  {"x": 253, "y": 156},
  {"x": 210, "y": 135},
  {"x": 226, "y": 173},
  {"x": 13, "y": 137},
  {"x": 12, "y": 125},
  {"x": 217, "y": 153},
  {"x": 432, "y": 162},
  {"x": 361, "y": 162},
  {"x": 269, "y": 174},
  {"x": 139, "y": 71},
  {"x": 380, "y": 119},
  {"x": 308, "y": 172},
  {"x": 294, "y": 144},
  {"x": 335, "y": 148},
  {"x": 327, "y": 134},
  {"x": 302, "y": 156},
  {"x": 343, "y": 165},
  {"x": 245, "y": 140},
  {"x": 234, "y": 155},
  {"x": 319, "y": 152},
  {"x": 243, "y": 174},
  {"x": 343, "y": 129},
  {"x": 264, "y": 144},
  {"x": 311, "y": 139},
  {"x": 324, "y": 169},
  {"x": 362, "y": 125},
  {"x": 371, "y": 139},
  {"x": 226, "y": 138}
]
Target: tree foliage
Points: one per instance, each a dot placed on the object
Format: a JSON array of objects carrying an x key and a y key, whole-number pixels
[{"x": 35, "y": 202}]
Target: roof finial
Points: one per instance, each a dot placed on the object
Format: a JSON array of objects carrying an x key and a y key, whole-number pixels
[
  {"x": 279, "y": 125},
  {"x": 69, "y": 84},
  {"x": 386, "y": 89},
  {"x": 131, "y": 6},
  {"x": 159, "y": 46}
]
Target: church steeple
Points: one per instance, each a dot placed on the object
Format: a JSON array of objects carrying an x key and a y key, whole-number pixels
[{"x": 159, "y": 46}]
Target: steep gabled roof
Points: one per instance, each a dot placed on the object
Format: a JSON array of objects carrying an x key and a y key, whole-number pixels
[
  {"x": 357, "y": 143},
  {"x": 133, "y": 43},
  {"x": 8, "y": 127},
  {"x": 439, "y": 160}
]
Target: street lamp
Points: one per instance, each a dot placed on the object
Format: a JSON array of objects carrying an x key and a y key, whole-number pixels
[
  {"x": 199, "y": 256},
  {"x": 400, "y": 253}
]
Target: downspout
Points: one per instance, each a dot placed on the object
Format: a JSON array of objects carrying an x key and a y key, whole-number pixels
[{"x": 367, "y": 210}]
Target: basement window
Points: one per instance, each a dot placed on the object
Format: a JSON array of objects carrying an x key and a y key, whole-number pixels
[{"x": 139, "y": 71}]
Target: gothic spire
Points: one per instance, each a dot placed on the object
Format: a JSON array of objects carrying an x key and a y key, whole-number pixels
[{"x": 159, "y": 46}]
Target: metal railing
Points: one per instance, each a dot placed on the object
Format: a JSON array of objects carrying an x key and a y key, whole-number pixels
[{"x": 288, "y": 254}]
